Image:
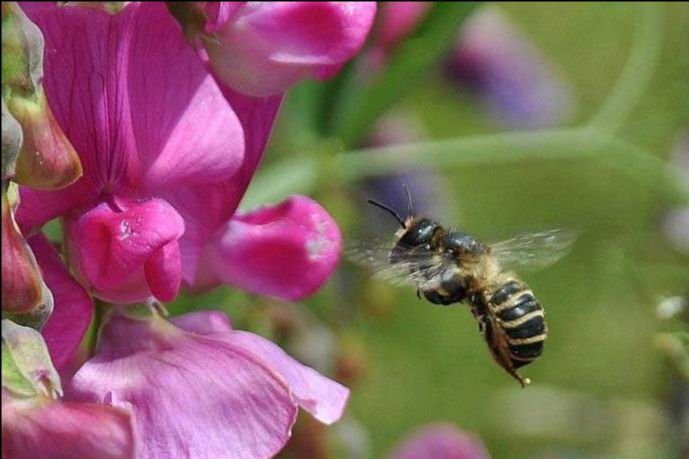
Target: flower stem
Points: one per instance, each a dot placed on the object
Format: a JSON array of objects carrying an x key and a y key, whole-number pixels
[{"x": 638, "y": 71}]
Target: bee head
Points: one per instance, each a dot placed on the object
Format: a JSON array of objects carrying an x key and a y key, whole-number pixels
[{"x": 417, "y": 232}]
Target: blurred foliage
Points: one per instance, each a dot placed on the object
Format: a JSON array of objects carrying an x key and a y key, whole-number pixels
[{"x": 604, "y": 387}]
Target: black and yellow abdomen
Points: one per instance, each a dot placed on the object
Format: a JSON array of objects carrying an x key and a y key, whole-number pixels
[{"x": 520, "y": 316}]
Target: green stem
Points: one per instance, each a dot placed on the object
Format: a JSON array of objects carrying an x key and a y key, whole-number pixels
[
  {"x": 508, "y": 148},
  {"x": 638, "y": 71}
]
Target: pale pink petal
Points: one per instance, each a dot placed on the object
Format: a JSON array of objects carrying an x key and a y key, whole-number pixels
[
  {"x": 73, "y": 308},
  {"x": 114, "y": 248},
  {"x": 191, "y": 396},
  {"x": 206, "y": 208},
  {"x": 203, "y": 322},
  {"x": 288, "y": 250},
  {"x": 323, "y": 398},
  {"x": 67, "y": 431},
  {"x": 441, "y": 441},
  {"x": 266, "y": 47}
]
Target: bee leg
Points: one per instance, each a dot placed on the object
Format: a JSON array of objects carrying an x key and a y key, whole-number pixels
[{"x": 418, "y": 293}]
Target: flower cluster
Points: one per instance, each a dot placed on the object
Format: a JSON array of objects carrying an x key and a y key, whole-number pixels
[{"x": 140, "y": 130}]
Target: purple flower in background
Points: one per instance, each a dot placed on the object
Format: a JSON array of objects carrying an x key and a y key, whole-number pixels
[
  {"x": 440, "y": 441},
  {"x": 196, "y": 388},
  {"x": 167, "y": 153},
  {"x": 676, "y": 223},
  {"x": 425, "y": 186},
  {"x": 510, "y": 77},
  {"x": 263, "y": 48}
]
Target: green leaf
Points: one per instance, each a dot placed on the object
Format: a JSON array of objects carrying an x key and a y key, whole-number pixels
[{"x": 359, "y": 104}]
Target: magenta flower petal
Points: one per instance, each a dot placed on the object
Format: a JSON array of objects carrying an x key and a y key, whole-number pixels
[
  {"x": 186, "y": 131},
  {"x": 257, "y": 115},
  {"x": 320, "y": 396},
  {"x": 191, "y": 396},
  {"x": 441, "y": 441},
  {"x": 127, "y": 250},
  {"x": 266, "y": 47},
  {"x": 137, "y": 103},
  {"x": 288, "y": 250},
  {"x": 73, "y": 308},
  {"x": 67, "y": 431}
]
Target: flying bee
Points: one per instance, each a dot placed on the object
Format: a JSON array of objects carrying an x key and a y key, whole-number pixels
[{"x": 449, "y": 266}]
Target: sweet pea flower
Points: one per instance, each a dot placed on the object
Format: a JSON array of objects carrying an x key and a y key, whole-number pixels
[
  {"x": 440, "y": 441},
  {"x": 508, "y": 75},
  {"x": 145, "y": 117},
  {"x": 263, "y": 48},
  {"x": 199, "y": 389},
  {"x": 167, "y": 151}
]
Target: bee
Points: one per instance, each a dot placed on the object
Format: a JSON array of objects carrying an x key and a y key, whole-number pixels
[{"x": 449, "y": 266}]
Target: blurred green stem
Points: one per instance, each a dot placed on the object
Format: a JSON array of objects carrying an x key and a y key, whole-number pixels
[
  {"x": 637, "y": 72},
  {"x": 507, "y": 148}
]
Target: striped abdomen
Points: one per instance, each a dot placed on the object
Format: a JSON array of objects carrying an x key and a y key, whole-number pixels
[{"x": 521, "y": 318}]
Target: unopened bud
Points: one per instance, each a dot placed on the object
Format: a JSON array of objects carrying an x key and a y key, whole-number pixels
[
  {"x": 25, "y": 297},
  {"x": 47, "y": 159}
]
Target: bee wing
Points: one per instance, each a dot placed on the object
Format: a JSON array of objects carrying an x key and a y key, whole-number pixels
[
  {"x": 420, "y": 268},
  {"x": 534, "y": 250}
]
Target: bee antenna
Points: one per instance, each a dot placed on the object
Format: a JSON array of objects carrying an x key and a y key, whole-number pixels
[
  {"x": 410, "y": 206},
  {"x": 387, "y": 209}
]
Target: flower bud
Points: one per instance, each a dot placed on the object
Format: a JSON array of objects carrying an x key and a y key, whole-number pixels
[
  {"x": 47, "y": 159},
  {"x": 27, "y": 370},
  {"x": 263, "y": 48},
  {"x": 25, "y": 297},
  {"x": 22, "y": 49}
]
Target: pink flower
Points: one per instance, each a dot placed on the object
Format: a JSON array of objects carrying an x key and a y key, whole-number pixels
[
  {"x": 199, "y": 389},
  {"x": 285, "y": 250},
  {"x": 58, "y": 430},
  {"x": 167, "y": 154},
  {"x": 145, "y": 117},
  {"x": 440, "y": 441},
  {"x": 263, "y": 48}
]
